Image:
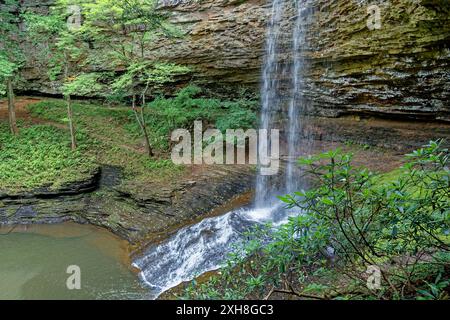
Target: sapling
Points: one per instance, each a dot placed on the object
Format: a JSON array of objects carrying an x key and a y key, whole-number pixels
[{"x": 65, "y": 53}]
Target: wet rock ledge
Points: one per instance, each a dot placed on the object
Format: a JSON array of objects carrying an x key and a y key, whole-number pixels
[{"x": 133, "y": 212}]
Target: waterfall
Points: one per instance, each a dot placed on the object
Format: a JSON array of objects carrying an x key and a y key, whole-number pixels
[
  {"x": 204, "y": 246},
  {"x": 297, "y": 104},
  {"x": 270, "y": 97},
  {"x": 193, "y": 250},
  {"x": 281, "y": 79}
]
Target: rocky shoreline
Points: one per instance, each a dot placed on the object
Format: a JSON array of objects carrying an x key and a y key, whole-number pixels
[{"x": 101, "y": 201}]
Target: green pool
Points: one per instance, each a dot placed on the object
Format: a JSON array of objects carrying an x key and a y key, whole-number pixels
[{"x": 34, "y": 261}]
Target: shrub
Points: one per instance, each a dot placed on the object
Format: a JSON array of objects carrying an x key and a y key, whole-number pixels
[
  {"x": 346, "y": 223},
  {"x": 168, "y": 114}
]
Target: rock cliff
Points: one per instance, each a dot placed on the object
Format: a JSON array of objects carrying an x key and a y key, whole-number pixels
[{"x": 400, "y": 70}]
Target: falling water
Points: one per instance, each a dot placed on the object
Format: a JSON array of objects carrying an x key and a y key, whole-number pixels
[
  {"x": 297, "y": 103},
  {"x": 197, "y": 248},
  {"x": 203, "y": 247},
  {"x": 282, "y": 88},
  {"x": 270, "y": 97}
]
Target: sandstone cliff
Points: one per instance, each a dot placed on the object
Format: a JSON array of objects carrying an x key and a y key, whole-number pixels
[{"x": 401, "y": 70}]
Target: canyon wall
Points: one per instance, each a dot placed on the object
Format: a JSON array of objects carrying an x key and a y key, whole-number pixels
[{"x": 401, "y": 69}]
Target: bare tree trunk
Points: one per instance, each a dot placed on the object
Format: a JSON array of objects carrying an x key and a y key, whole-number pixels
[
  {"x": 73, "y": 138},
  {"x": 141, "y": 121},
  {"x": 11, "y": 108},
  {"x": 148, "y": 148},
  {"x": 144, "y": 125}
]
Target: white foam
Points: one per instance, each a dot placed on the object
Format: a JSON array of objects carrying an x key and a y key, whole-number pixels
[{"x": 260, "y": 214}]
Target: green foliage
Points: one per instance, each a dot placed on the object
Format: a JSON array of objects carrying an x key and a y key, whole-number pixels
[
  {"x": 40, "y": 156},
  {"x": 147, "y": 73},
  {"x": 435, "y": 290},
  {"x": 7, "y": 70},
  {"x": 167, "y": 114},
  {"x": 237, "y": 117},
  {"x": 163, "y": 115},
  {"x": 86, "y": 84},
  {"x": 65, "y": 51},
  {"x": 133, "y": 23},
  {"x": 110, "y": 142},
  {"x": 11, "y": 55},
  {"x": 348, "y": 221}
]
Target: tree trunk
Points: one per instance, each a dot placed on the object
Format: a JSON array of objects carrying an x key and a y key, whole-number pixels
[
  {"x": 73, "y": 139},
  {"x": 141, "y": 122},
  {"x": 148, "y": 147},
  {"x": 11, "y": 108}
]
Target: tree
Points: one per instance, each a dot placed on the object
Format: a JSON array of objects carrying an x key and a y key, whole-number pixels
[
  {"x": 11, "y": 57},
  {"x": 148, "y": 75},
  {"x": 66, "y": 53},
  {"x": 125, "y": 28}
]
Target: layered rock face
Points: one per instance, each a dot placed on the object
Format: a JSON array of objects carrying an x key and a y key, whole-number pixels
[
  {"x": 398, "y": 69},
  {"x": 150, "y": 211},
  {"x": 402, "y": 68}
]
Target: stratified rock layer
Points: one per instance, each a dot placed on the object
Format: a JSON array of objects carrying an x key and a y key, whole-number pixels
[
  {"x": 133, "y": 211},
  {"x": 400, "y": 70}
]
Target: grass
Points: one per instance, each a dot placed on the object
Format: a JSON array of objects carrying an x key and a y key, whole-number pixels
[
  {"x": 98, "y": 121},
  {"x": 40, "y": 156}
]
